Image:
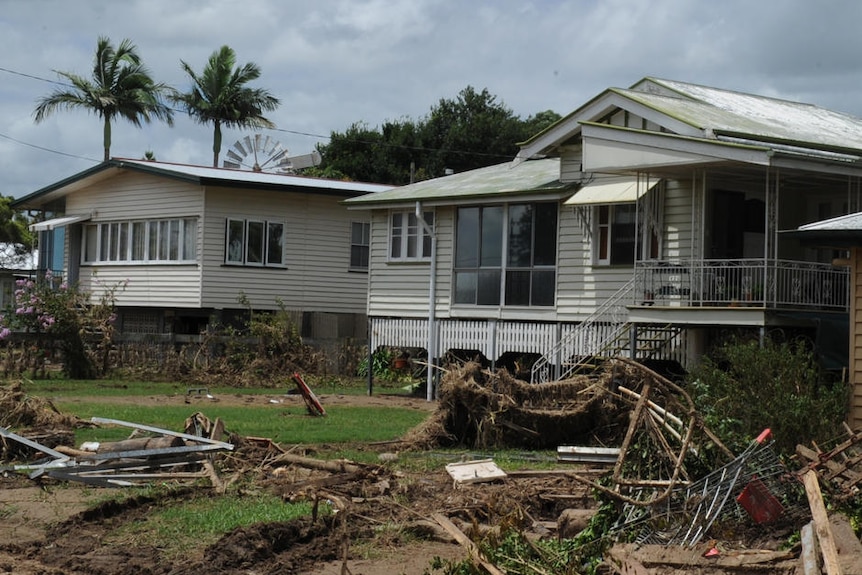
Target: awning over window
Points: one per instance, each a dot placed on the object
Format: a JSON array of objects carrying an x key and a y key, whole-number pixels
[
  {"x": 612, "y": 190},
  {"x": 58, "y": 222}
]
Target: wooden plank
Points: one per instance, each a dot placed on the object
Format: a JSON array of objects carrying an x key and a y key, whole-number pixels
[
  {"x": 809, "y": 556},
  {"x": 821, "y": 523},
  {"x": 475, "y": 553}
]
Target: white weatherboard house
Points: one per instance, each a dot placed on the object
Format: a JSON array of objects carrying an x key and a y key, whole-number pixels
[
  {"x": 644, "y": 223},
  {"x": 189, "y": 241}
]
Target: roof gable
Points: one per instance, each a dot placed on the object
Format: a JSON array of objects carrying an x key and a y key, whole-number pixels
[{"x": 710, "y": 114}]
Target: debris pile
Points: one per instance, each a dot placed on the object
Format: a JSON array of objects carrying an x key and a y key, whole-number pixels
[
  {"x": 169, "y": 456},
  {"x": 480, "y": 409}
]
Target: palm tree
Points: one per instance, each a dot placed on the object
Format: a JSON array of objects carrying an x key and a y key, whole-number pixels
[
  {"x": 120, "y": 87},
  {"x": 220, "y": 96}
]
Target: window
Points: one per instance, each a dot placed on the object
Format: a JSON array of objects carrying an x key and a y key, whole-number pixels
[
  {"x": 360, "y": 239},
  {"x": 616, "y": 234},
  {"x": 254, "y": 243},
  {"x": 408, "y": 239},
  {"x": 506, "y": 254},
  {"x": 141, "y": 241}
]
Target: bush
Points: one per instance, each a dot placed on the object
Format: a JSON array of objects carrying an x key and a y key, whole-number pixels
[
  {"x": 741, "y": 388},
  {"x": 50, "y": 315}
]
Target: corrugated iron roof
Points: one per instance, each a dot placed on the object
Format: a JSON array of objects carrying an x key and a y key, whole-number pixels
[
  {"x": 530, "y": 177},
  {"x": 201, "y": 175},
  {"x": 758, "y": 117}
]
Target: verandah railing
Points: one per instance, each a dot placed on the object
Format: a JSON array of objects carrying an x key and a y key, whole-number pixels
[{"x": 743, "y": 282}]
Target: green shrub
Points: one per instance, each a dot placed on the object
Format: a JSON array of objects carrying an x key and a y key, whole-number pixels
[{"x": 743, "y": 387}]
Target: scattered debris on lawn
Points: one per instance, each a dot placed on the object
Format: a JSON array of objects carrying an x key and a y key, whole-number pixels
[
  {"x": 476, "y": 471},
  {"x": 685, "y": 502},
  {"x": 169, "y": 456}
]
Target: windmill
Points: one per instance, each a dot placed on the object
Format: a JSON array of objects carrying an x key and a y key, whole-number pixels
[{"x": 261, "y": 153}]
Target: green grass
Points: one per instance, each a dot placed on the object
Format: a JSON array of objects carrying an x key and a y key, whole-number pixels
[
  {"x": 201, "y": 521},
  {"x": 281, "y": 424},
  {"x": 59, "y": 388}
]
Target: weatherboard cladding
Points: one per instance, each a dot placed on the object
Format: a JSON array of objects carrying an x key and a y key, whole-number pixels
[
  {"x": 317, "y": 254},
  {"x": 317, "y": 245}
]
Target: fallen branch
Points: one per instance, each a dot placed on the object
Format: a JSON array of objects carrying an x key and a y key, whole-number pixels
[{"x": 475, "y": 553}]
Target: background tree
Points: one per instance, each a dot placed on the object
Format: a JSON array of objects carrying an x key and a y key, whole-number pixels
[
  {"x": 471, "y": 131},
  {"x": 16, "y": 239},
  {"x": 219, "y": 96},
  {"x": 121, "y": 87}
]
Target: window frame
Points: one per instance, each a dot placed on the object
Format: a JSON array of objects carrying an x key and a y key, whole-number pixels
[
  {"x": 360, "y": 247},
  {"x": 410, "y": 230},
  {"x": 140, "y": 242},
  {"x": 606, "y": 233},
  {"x": 496, "y": 256},
  {"x": 269, "y": 235}
]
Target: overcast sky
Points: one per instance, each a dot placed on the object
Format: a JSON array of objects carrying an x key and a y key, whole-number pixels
[{"x": 336, "y": 62}]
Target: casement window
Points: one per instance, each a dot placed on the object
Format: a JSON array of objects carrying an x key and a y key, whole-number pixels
[
  {"x": 408, "y": 239},
  {"x": 143, "y": 241},
  {"x": 506, "y": 255},
  {"x": 254, "y": 243},
  {"x": 615, "y": 234},
  {"x": 360, "y": 240}
]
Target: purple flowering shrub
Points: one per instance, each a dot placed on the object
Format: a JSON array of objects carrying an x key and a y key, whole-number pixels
[{"x": 62, "y": 316}]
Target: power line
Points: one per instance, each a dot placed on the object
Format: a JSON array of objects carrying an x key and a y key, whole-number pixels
[
  {"x": 31, "y": 76},
  {"x": 17, "y": 141},
  {"x": 284, "y": 130}
]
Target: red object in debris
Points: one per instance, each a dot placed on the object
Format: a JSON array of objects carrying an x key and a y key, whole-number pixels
[
  {"x": 713, "y": 552},
  {"x": 760, "y": 504},
  {"x": 764, "y": 435},
  {"x": 311, "y": 402}
]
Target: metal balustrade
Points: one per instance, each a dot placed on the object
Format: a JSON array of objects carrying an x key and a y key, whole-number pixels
[{"x": 743, "y": 282}]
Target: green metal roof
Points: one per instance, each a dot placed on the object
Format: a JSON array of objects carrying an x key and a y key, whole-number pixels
[
  {"x": 723, "y": 112},
  {"x": 718, "y": 114},
  {"x": 530, "y": 177}
]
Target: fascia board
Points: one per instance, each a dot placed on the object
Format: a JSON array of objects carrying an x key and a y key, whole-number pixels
[{"x": 708, "y": 149}]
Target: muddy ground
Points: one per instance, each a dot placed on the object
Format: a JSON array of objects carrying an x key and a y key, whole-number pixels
[
  {"x": 391, "y": 517},
  {"x": 383, "y": 526}
]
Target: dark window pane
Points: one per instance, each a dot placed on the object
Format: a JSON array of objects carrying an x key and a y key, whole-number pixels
[
  {"x": 623, "y": 234},
  {"x": 465, "y": 287},
  {"x": 545, "y": 249},
  {"x": 467, "y": 238},
  {"x": 359, "y": 257},
  {"x": 275, "y": 244},
  {"x": 518, "y": 288},
  {"x": 488, "y": 292},
  {"x": 426, "y": 238},
  {"x": 492, "y": 237},
  {"x": 543, "y": 287},
  {"x": 397, "y": 231},
  {"x": 235, "y": 240},
  {"x": 153, "y": 235},
  {"x": 254, "y": 249},
  {"x": 174, "y": 240},
  {"x": 520, "y": 235},
  {"x": 164, "y": 239}
]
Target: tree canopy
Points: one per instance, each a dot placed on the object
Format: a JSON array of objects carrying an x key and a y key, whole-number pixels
[
  {"x": 120, "y": 87},
  {"x": 220, "y": 96},
  {"x": 470, "y": 131}
]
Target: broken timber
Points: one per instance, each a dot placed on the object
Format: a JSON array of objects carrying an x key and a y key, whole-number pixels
[{"x": 127, "y": 462}]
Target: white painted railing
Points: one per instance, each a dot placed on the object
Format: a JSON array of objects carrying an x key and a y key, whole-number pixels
[
  {"x": 588, "y": 338},
  {"x": 743, "y": 282}
]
